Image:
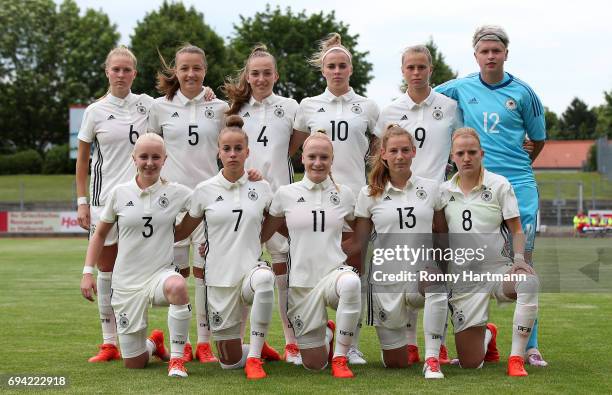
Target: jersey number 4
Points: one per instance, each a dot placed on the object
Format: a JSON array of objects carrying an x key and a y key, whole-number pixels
[{"x": 262, "y": 138}]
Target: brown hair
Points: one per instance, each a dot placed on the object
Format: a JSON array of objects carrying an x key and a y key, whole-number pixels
[
  {"x": 334, "y": 40},
  {"x": 233, "y": 124},
  {"x": 237, "y": 89},
  {"x": 167, "y": 81},
  {"x": 379, "y": 176},
  {"x": 321, "y": 135}
]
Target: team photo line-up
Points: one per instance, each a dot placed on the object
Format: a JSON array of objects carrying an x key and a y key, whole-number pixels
[{"x": 157, "y": 191}]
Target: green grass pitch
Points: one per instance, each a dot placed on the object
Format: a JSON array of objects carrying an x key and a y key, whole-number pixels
[{"x": 48, "y": 328}]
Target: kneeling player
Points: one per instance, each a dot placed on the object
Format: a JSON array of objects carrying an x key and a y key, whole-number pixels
[
  {"x": 314, "y": 211},
  {"x": 144, "y": 273},
  {"x": 233, "y": 208},
  {"x": 481, "y": 205}
]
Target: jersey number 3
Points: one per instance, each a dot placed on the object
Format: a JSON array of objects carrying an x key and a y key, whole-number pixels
[{"x": 148, "y": 232}]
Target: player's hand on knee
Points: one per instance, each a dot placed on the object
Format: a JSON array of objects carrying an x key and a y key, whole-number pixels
[
  {"x": 520, "y": 266},
  {"x": 83, "y": 216},
  {"x": 254, "y": 175},
  {"x": 88, "y": 287}
]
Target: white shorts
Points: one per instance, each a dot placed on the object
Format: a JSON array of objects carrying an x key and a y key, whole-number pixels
[
  {"x": 389, "y": 305},
  {"x": 307, "y": 308},
  {"x": 224, "y": 306},
  {"x": 131, "y": 307},
  {"x": 278, "y": 247},
  {"x": 94, "y": 217},
  {"x": 469, "y": 309},
  {"x": 181, "y": 248}
]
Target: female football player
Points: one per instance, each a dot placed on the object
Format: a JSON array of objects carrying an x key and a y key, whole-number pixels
[
  {"x": 144, "y": 210},
  {"x": 112, "y": 124}
]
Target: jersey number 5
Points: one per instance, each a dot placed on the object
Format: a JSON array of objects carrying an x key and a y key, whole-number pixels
[
  {"x": 193, "y": 136},
  {"x": 148, "y": 232}
]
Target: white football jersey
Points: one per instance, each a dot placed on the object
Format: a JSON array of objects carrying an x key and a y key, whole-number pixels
[
  {"x": 233, "y": 215},
  {"x": 431, "y": 123},
  {"x": 481, "y": 214},
  {"x": 113, "y": 125},
  {"x": 146, "y": 229},
  {"x": 269, "y": 125},
  {"x": 315, "y": 216},
  {"x": 190, "y": 129},
  {"x": 347, "y": 120},
  {"x": 407, "y": 210}
]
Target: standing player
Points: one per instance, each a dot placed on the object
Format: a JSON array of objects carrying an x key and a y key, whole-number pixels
[
  {"x": 314, "y": 211},
  {"x": 430, "y": 118},
  {"x": 190, "y": 127},
  {"x": 481, "y": 206},
  {"x": 144, "y": 209},
  {"x": 349, "y": 119},
  {"x": 112, "y": 124},
  {"x": 268, "y": 122},
  {"x": 504, "y": 109},
  {"x": 394, "y": 189},
  {"x": 233, "y": 208}
]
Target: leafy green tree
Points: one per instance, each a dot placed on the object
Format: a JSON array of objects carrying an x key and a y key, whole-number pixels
[
  {"x": 164, "y": 31},
  {"x": 441, "y": 71},
  {"x": 50, "y": 57},
  {"x": 552, "y": 124},
  {"x": 604, "y": 117},
  {"x": 577, "y": 122},
  {"x": 292, "y": 38}
]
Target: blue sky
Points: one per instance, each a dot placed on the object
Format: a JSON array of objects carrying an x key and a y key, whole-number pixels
[{"x": 562, "y": 49}]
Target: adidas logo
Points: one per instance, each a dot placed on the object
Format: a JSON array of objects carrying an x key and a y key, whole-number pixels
[
  {"x": 321, "y": 109},
  {"x": 175, "y": 115},
  {"x": 219, "y": 199},
  {"x": 246, "y": 115},
  {"x": 452, "y": 199},
  {"x": 387, "y": 197},
  {"x": 129, "y": 204},
  {"x": 301, "y": 200},
  {"x": 473, "y": 100},
  {"x": 404, "y": 118},
  {"x": 110, "y": 117}
]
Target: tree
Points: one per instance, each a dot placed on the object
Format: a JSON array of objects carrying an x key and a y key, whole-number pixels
[
  {"x": 441, "y": 71},
  {"x": 50, "y": 57},
  {"x": 165, "y": 30},
  {"x": 604, "y": 117},
  {"x": 292, "y": 38},
  {"x": 552, "y": 124},
  {"x": 577, "y": 122}
]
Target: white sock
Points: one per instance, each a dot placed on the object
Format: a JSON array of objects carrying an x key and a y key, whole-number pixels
[
  {"x": 487, "y": 338},
  {"x": 239, "y": 364},
  {"x": 281, "y": 286},
  {"x": 243, "y": 321},
  {"x": 262, "y": 282},
  {"x": 434, "y": 317},
  {"x": 179, "y": 317},
  {"x": 525, "y": 313},
  {"x": 150, "y": 347},
  {"x": 413, "y": 319},
  {"x": 364, "y": 296},
  {"x": 107, "y": 316},
  {"x": 200, "y": 307},
  {"x": 329, "y": 335},
  {"x": 347, "y": 315}
]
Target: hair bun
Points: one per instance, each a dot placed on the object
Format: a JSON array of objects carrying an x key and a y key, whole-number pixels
[{"x": 234, "y": 121}]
